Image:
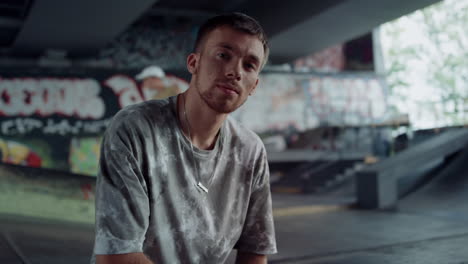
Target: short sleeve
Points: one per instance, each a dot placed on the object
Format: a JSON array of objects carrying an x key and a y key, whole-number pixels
[
  {"x": 122, "y": 206},
  {"x": 258, "y": 234}
]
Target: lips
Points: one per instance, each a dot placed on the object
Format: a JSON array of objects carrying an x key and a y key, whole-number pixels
[{"x": 228, "y": 88}]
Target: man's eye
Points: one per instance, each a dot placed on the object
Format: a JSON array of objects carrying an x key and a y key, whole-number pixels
[
  {"x": 250, "y": 66},
  {"x": 222, "y": 55}
]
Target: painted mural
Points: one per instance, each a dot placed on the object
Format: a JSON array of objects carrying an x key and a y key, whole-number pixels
[
  {"x": 84, "y": 152},
  {"x": 57, "y": 120},
  {"x": 306, "y": 101},
  {"x": 160, "y": 41},
  {"x": 17, "y": 153},
  {"x": 331, "y": 59}
]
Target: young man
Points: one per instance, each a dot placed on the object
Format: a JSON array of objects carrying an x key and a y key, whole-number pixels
[{"x": 180, "y": 181}]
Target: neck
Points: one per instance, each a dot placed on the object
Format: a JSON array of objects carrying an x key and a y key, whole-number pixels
[{"x": 199, "y": 122}]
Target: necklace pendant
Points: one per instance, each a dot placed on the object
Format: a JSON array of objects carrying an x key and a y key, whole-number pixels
[{"x": 201, "y": 186}]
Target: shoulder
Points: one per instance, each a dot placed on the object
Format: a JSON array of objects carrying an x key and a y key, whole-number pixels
[
  {"x": 244, "y": 138},
  {"x": 142, "y": 114},
  {"x": 248, "y": 150},
  {"x": 141, "y": 110}
]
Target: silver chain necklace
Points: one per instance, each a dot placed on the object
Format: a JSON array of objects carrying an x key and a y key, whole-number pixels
[{"x": 199, "y": 183}]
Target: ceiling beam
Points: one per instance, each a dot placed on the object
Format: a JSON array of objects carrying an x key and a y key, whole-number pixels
[
  {"x": 339, "y": 23},
  {"x": 172, "y": 12},
  {"x": 78, "y": 27},
  {"x": 10, "y": 22}
]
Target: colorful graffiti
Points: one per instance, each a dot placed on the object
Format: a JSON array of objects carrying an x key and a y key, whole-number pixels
[
  {"x": 331, "y": 59},
  {"x": 49, "y": 116},
  {"x": 306, "y": 101},
  {"x": 50, "y": 126},
  {"x": 57, "y": 120},
  {"x": 13, "y": 152},
  {"x": 84, "y": 155},
  {"x": 165, "y": 43},
  {"x": 46, "y": 96},
  {"x": 129, "y": 93}
]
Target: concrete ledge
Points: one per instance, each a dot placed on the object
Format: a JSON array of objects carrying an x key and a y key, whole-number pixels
[
  {"x": 376, "y": 190},
  {"x": 301, "y": 155},
  {"x": 376, "y": 185}
]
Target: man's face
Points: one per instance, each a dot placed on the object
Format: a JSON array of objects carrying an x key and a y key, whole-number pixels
[{"x": 226, "y": 68}]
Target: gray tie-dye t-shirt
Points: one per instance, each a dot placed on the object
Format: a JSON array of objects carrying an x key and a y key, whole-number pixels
[{"x": 147, "y": 199}]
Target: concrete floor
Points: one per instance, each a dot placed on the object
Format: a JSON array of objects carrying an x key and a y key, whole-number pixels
[
  {"x": 429, "y": 226},
  {"x": 342, "y": 235}
]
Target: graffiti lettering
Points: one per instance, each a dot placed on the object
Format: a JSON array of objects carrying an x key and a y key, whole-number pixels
[
  {"x": 95, "y": 126},
  {"x": 125, "y": 88},
  {"x": 129, "y": 93},
  {"x": 62, "y": 128},
  {"x": 47, "y": 96},
  {"x": 20, "y": 126}
]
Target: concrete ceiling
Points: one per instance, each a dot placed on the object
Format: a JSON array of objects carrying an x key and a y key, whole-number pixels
[{"x": 296, "y": 28}]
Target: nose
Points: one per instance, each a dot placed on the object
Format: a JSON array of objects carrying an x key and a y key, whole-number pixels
[{"x": 234, "y": 70}]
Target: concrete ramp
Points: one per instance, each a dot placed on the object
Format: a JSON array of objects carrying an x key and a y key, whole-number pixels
[
  {"x": 446, "y": 194},
  {"x": 378, "y": 185}
]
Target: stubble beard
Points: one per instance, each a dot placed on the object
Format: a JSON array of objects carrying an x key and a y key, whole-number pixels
[{"x": 219, "y": 105}]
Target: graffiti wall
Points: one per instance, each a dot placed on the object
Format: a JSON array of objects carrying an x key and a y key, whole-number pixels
[
  {"x": 55, "y": 119},
  {"x": 305, "y": 101},
  {"x": 166, "y": 42},
  {"x": 331, "y": 59},
  {"x": 152, "y": 41}
]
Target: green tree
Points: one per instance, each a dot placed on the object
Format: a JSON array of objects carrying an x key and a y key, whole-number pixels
[{"x": 439, "y": 46}]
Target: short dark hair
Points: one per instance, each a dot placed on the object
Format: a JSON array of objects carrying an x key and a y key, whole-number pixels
[{"x": 237, "y": 21}]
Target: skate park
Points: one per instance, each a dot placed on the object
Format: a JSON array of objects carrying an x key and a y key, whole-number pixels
[{"x": 349, "y": 183}]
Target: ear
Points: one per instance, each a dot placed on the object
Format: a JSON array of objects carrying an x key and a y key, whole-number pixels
[
  {"x": 192, "y": 62},
  {"x": 255, "y": 87}
]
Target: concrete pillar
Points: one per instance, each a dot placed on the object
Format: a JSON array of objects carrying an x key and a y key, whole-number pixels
[{"x": 376, "y": 190}]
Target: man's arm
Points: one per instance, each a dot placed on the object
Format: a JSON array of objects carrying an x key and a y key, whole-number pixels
[
  {"x": 258, "y": 234},
  {"x": 250, "y": 258},
  {"x": 122, "y": 203},
  {"x": 130, "y": 258}
]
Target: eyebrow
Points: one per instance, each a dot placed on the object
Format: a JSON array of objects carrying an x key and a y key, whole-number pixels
[{"x": 229, "y": 47}]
